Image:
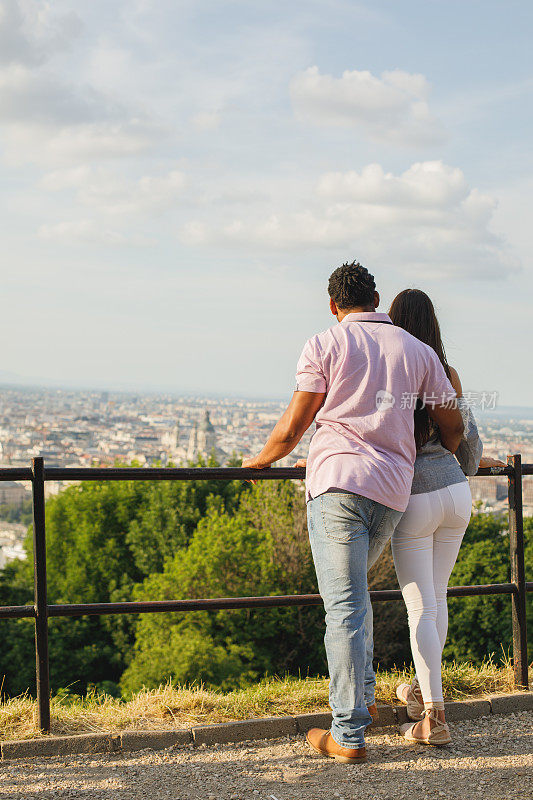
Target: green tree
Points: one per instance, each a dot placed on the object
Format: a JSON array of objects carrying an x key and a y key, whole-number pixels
[
  {"x": 103, "y": 538},
  {"x": 260, "y": 550},
  {"x": 17, "y": 649}
]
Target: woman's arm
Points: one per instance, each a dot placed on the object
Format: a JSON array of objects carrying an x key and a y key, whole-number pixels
[
  {"x": 487, "y": 461},
  {"x": 470, "y": 449},
  {"x": 455, "y": 381}
]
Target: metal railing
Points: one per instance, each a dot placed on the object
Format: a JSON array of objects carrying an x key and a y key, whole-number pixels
[{"x": 38, "y": 474}]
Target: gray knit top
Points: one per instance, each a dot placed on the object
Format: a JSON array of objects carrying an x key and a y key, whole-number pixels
[{"x": 436, "y": 467}]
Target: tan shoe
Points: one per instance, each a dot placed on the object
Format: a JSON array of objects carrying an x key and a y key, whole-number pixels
[
  {"x": 439, "y": 732},
  {"x": 323, "y": 742},
  {"x": 374, "y": 713},
  {"x": 411, "y": 696}
]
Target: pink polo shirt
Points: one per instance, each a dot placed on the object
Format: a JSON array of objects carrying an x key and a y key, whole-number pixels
[{"x": 372, "y": 373}]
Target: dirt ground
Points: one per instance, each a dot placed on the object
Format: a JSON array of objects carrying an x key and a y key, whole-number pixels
[{"x": 490, "y": 758}]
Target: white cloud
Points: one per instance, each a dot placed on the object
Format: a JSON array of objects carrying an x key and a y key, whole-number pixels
[
  {"x": 110, "y": 193},
  {"x": 206, "y": 120},
  {"x": 56, "y": 145},
  {"x": 48, "y": 118},
  {"x": 48, "y": 121},
  {"x": 425, "y": 218},
  {"x": 196, "y": 233},
  {"x": 88, "y": 231},
  {"x": 391, "y": 108},
  {"x": 68, "y": 178},
  {"x": 31, "y": 31},
  {"x": 34, "y": 98},
  {"x": 430, "y": 182}
]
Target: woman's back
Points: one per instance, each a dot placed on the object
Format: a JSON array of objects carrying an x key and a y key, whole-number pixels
[{"x": 435, "y": 467}]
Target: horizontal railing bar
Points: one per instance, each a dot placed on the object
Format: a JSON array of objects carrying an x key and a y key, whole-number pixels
[
  {"x": 16, "y": 612},
  {"x": 203, "y": 473},
  {"x": 211, "y": 604},
  {"x": 482, "y": 589},
  {"x": 186, "y": 473},
  {"x": 221, "y": 603},
  {"x": 169, "y": 473},
  {"x": 75, "y": 610},
  {"x": 15, "y": 474}
]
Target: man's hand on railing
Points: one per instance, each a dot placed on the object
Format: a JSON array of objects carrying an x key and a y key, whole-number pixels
[
  {"x": 253, "y": 463},
  {"x": 257, "y": 463}
]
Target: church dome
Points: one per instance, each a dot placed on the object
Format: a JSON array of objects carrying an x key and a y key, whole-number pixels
[{"x": 206, "y": 425}]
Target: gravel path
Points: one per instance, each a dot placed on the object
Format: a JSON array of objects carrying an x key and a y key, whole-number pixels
[{"x": 491, "y": 758}]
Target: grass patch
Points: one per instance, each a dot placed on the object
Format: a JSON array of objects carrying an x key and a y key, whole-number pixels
[{"x": 170, "y": 706}]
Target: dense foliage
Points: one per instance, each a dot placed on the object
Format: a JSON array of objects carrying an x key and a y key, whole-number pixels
[
  {"x": 116, "y": 541},
  {"x": 261, "y": 549}
]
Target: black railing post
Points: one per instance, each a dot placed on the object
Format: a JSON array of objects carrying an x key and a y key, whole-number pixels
[
  {"x": 41, "y": 601},
  {"x": 518, "y": 572}
]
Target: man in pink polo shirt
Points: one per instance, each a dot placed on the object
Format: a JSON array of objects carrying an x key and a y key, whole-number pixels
[{"x": 357, "y": 381}]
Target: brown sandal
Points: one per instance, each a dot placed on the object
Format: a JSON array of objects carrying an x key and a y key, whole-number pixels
[
  {"x": 439, "y": 734},
  {"x": 412, "y": 698}
]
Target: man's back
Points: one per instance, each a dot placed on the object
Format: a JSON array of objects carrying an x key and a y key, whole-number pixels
[{"x": 372, "y": 373}]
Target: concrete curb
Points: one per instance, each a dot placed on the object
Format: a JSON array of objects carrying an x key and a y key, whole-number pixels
[
  {"x": 511, "y": 703},
  {"x": 157, "y": 740},
  {"x": 243, "y": 730},
  {"x": 59, "y": 745},
  {"x": 304, "y": 722}
]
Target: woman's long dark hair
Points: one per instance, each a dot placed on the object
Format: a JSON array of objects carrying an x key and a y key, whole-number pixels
[{"x": 413, "y": 310}]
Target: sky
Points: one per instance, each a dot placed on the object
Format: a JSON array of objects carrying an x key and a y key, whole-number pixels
[{"x": 179, "y": 178}]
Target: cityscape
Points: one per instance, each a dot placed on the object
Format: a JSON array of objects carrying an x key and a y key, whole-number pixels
[{"x": 86, "y": 428}]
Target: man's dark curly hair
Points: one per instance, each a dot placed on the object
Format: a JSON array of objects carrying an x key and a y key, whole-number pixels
[{"x": 351, "y": 286}]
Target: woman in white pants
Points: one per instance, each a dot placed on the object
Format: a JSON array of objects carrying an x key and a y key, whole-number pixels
[{"x": 427, "y": 539}]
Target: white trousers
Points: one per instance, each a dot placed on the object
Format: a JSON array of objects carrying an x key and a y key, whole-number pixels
[{"x": 425, "y": 546}]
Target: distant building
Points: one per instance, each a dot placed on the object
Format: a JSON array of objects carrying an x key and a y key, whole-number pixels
[
  {"x": 488, "y": 490},
  {"x": 171, "y": 442},
  {"x": 527, "y": 495},
  {"x": 13, "y": 493},
  {"x": 11, "y": 542},
  {"x": 203, "y": 441},
  {"x": 527, "y": 491}
]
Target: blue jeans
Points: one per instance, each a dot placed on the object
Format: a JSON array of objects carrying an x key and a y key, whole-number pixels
[{"x": 347, "y": 533}]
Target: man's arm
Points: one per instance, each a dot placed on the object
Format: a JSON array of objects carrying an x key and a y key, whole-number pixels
[
  {"x": 451, "y": 425},
  {"x": 436, "y": 384},
  {"x": 289, "y": 429}
]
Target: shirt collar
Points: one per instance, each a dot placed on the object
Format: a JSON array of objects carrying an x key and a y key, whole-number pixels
[{"x": 366, "y": 316}]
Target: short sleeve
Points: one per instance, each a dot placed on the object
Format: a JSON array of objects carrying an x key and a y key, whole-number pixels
[
  {"x": 309, "y": 372},
  {"x": 435, "y": 389}
]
